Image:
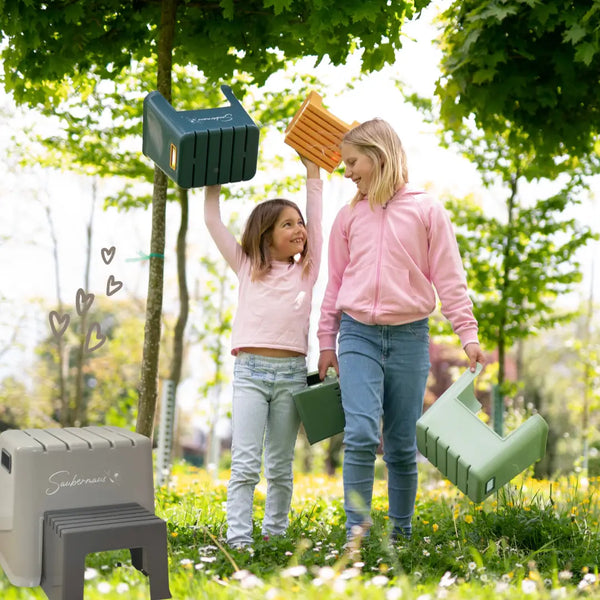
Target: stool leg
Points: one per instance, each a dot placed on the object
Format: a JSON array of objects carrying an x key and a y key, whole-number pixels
[{"x": 73, "y": 575}]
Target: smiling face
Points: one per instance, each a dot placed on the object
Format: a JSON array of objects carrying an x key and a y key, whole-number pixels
[
  {"x": 289, "y": 235},
  {"x": 358, "y": 167}
]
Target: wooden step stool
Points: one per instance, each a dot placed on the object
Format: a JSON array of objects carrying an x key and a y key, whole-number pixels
[
  {"x": 69, "y": 535},
  {"x": 317, "y": 134}
]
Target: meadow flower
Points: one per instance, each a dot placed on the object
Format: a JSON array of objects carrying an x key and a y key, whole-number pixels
[
  {"x": 379, "y": 581},
  {"x": 394, "y": 593},
  {"x": 528, "y": 586},
  {"x": 565, "y": 575},
  {"x": 447, "y": 579},
  {"x": 90, "y": 574},
  {"x": 122, "y": 588},
  {"x": 588, "y": 580},
  {"x": 296, "y": 571},
  {"x": 104, "y": 587},
  {"x": 350, "y": 573}
]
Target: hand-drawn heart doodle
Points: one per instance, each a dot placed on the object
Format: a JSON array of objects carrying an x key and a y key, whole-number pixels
[
  {"x": 113, "y": 286},
  {"x": 58, "y": 323},
  {"x": 100, "y": 338},
  {"x": 108, "y": 254},
  {"x": 83, "y": 301}
]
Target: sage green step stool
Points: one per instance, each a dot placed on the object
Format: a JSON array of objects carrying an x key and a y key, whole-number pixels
[{"x": 467, "y": 451}]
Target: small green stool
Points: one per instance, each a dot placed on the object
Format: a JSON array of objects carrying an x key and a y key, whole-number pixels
[
  {"x": 469, "y": 453},
  {"x": 320, "y": 408}
]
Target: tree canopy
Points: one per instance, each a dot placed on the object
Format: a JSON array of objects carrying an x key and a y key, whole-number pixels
[
  {"x": 61, "y": 40},
  {"x": 530, "y": 65}
]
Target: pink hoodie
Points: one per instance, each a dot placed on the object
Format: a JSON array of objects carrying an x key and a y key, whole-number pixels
[{"x": 385, "y": 262}]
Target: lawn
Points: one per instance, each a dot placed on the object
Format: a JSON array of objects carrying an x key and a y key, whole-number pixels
[{"x": 535, "y": 539}]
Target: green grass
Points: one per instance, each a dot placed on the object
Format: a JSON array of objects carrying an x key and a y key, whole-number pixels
[{"x": 534, "y": 539}]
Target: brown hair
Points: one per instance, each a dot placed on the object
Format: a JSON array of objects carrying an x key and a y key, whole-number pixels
[
  {"x": 380, "y": 142},
  {"x": 258, "y": 236}
]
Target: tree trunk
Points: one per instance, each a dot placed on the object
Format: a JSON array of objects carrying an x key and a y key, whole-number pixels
[
  {"x": 63, "y": 354},
  {"x": 184, "y": 296},
  {"x": 79, "y": 417},
  {"x": 149, "y": 372}
]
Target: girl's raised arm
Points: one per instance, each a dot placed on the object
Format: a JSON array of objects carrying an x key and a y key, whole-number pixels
[{"x": 223, "y": 238}]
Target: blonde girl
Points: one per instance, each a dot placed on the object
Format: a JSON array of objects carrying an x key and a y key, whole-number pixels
[{"x": 390, "y": 250}]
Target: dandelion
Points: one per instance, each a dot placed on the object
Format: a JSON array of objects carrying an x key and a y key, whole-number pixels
[
  {"x": 90, "y": 574},
  {"x": 394, "y": 593},
  {"x": 528, "y": 586},
  {"x": 468, "y": 519},
  {"x": 435, "y": 527}
]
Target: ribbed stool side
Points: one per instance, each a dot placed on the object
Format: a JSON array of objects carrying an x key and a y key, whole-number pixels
[{"x": 71, "y": 534}]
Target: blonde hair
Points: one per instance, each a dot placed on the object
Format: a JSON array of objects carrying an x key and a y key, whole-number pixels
[
  {"x": 258, "y": 236},
  {"x": 380, "y": 142}
]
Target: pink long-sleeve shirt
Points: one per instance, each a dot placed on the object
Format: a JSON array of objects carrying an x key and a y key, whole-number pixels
[
  {"x": 386, "y": 263},
  {"x": 274, "y": 310}
]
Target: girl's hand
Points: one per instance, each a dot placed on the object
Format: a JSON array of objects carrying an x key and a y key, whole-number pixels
[
  {"x": 312, "y": 169},
  {"x": 327, "y": 359},
  {"x": 475, "y": 354}
]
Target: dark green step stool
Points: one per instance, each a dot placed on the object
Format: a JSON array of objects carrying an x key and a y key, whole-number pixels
[
  {"x": 200, "y": 147},
  {"x": 320, "y": 408}
]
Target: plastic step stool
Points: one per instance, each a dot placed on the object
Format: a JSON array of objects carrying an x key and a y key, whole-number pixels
[
  {"x": 320, "y": 408},
  {"x": 200, "y": 147},
  {"x": 315, "y": 133},
  {"x": 71, "y": 534},
  {"x": 468, "y": 452}
]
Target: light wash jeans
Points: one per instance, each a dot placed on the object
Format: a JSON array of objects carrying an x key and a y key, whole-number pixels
[
  {"x": 383, "y": 374},
  {"x": 264, "y": 414}
]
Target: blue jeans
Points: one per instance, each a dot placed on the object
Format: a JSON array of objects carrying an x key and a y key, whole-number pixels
[
  {"x": 263, "y": 414},
  {"x": 383, "y": 374}
]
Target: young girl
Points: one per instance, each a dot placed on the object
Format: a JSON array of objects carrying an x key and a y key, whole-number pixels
[
  {"x": 277, "y": 265},
  {"x": 388, "y": 250}
]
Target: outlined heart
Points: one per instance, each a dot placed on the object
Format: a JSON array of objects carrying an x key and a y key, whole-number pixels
[
  {"x": 113, "y": 286},
  {"x": 58, "y": 323},
  {"x": 108, "y": 254},
  {"x": 100, "y": 338},
  {"x": 83, "y": 301}
]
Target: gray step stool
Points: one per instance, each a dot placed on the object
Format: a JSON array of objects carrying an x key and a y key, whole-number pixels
[{"x": 71, "y": 534}]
